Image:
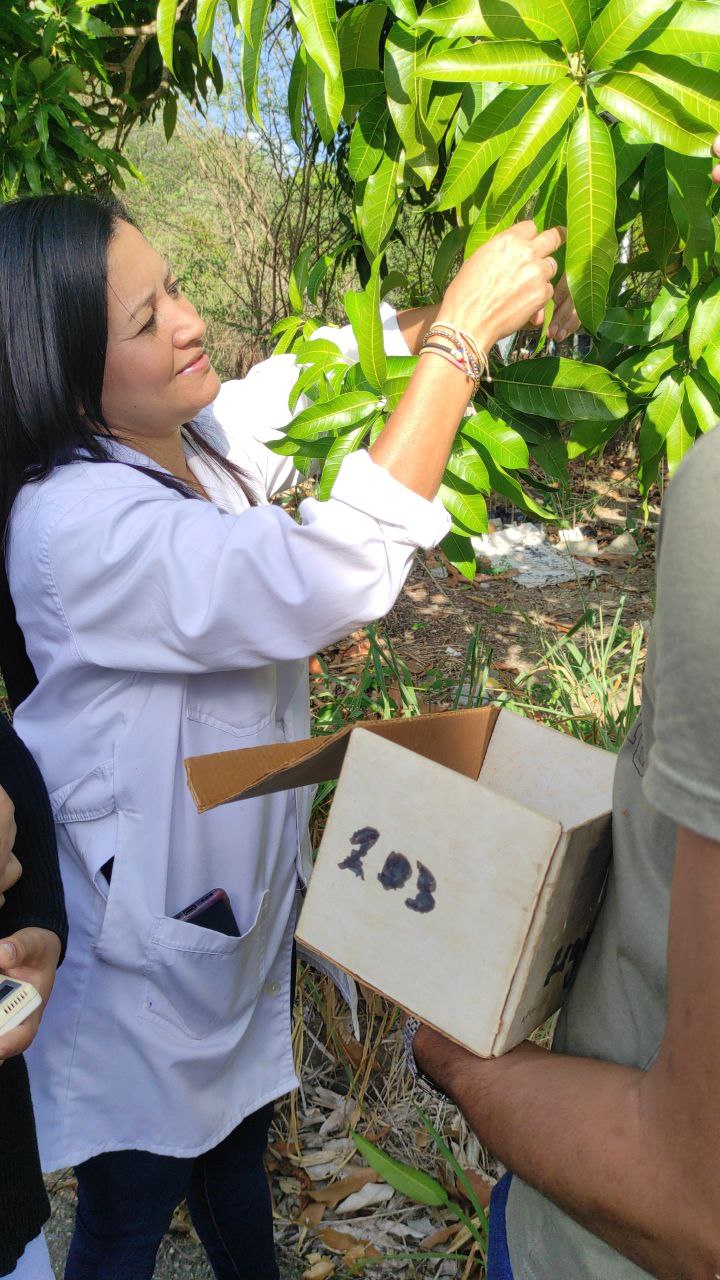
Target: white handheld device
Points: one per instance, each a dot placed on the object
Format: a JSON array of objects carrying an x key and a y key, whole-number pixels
[{"x": 17, "y": 1001}]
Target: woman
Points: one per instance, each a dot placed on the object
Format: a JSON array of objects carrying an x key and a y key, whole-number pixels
[
  {"x": 169, "y": 611},
  {"x": 33, "y": 929}
]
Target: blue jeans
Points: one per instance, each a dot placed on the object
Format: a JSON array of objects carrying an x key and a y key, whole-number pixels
[
  {"x": 498, "y": 1261},
  {"x": 127, "y": 1198}
]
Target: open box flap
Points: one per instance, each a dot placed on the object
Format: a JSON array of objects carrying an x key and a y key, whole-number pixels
[{"x": 456, "y": 739}]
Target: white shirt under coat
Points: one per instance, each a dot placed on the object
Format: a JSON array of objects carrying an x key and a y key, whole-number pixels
[{"x": 162, "y": 627}]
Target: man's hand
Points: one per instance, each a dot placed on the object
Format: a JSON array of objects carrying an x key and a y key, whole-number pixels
[
  {"x": 10, "y": 869},
  {"x": 30, "y": 955}
]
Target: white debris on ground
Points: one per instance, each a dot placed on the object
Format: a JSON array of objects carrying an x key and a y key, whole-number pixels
[{"x": 525, "y": 548}]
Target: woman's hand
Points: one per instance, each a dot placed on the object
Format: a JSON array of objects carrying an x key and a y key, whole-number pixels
[
  {"x": 565, "y": 319},
  {"x": 30, "y": 955},
  {"x": 10, "y": 869},
  {"x": 504, "y": 285},
  {"x": 716, "y": 151}
]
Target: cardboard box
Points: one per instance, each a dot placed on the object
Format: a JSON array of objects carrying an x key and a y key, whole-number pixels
[{"x": 462, "y": 866}]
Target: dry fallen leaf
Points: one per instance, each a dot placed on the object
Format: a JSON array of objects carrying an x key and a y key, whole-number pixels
[
  {"x": 362, "y": 1249},
  {"x": 339, "y": 1241},
  {"x": 337, "y": 1191},
  {"x": 481, "y": 1185},
  {"x": 320, "y": 1270},
  {"x": 311, "y": 1215},
  {"x": 438, "y": 1237},
  {"x": 366, "y": 1197}
]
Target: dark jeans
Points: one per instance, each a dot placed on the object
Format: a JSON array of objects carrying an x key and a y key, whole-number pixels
[
  {"x": 126, "y": 1200},
  {"x": 498, "y": 1260}
]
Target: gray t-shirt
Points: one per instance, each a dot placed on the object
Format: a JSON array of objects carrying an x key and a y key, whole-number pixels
[{"x": 667, "y": 775}]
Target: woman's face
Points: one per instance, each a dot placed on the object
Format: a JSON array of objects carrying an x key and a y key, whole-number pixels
[{"x": 157, "y": 375}]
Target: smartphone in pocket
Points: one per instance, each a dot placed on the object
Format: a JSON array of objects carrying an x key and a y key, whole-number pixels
[{"x": 212, "y": 911}]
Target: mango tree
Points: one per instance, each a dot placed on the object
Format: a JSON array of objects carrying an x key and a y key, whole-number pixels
[{"x": 599, "y": 115}]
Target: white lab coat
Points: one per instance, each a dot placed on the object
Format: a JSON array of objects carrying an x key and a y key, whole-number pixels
[{"x": 162, "y": 627}]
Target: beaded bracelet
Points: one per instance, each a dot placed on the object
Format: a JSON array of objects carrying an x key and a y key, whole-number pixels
[{"x": 460, "y": 350}]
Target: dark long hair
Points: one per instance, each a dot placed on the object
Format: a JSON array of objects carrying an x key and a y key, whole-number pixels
[{"x": 53, "y": 345}]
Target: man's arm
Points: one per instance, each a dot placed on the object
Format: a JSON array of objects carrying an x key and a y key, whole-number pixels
[{"x": 631, "y": 1155}]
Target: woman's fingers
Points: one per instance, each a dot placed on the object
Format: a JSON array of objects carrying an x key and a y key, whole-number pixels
[
  {"x": 10, "y": 873},
  {"x": 716, "y": 151},
  {"x": 548, "y": 242}
]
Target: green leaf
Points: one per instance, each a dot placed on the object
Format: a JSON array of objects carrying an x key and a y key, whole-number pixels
[
  {"x": 393, "y": 280},
  {"x": 681, "y": 436},
  {"x": 498, "y": 214},
  {"x": 565, "y": 20},
  {"x": 318, "y": 273},
  {"x": 545, "y": 118},
  {"x": 166, "y": 14},
  {"x": 368, "y": 139},
  {"x": 448, "y": 251},
  {"x": 511, "y": 62},
  {"x": 562, "y": 389},
  {"x": 343, "y": 445},
  {"x": 441, "y": 108},
  {"x": 466, "y": 465},
  {"x": 685, "y": 28},
  {"x": 493, "y": 19},
  {"x": 691, "y": 184},
  {"x": 299, "y": 278},
  {"x": 358, "y": 36},
  {"x": 589, "y": 437},
  {"x": 696, "y": 88},
  {"x": 705, "y": 327},
  {"x": 645, "y": 107},
  {"x": 660, "y": 415},
  {"x": 327, "y": 97},
  {"x": 393, "y": 391},
  {"x": 468, "y": 509},
  {"x": 363, "y": 310},
  {"x": 297, "y": 87},
  {"x": 170, "y": 108},
  {"x": 459, "y": 551},
  {"x": 405, "y": 10},
  {"x": 484, "y": 141},
  {"x": 636, "y": 326},
  {"x": 361, "y": 85},
  {"x": 404, "y": 55},
  {"x": 253, "y": 20},
  {"x": 377, "y": 197},
  {"x": 410, "y": 1182},
  {"x": 317, "y": 23},
  {"x": 40, "y": 68},
  {"x": 709, "y": 363},
  {"x": 504, "y": 444},
  {"x": 642, "y": 370},
  {"x": 659, "y": 226},
  {"x": 591, "y": 202},
  {"x": 630, "y": 149},
  {"x": 510, "y": 487},
  {"x": 616, "y": 27},
  {"x": 703, "y": 398},
  {"x": 329, "y": 416},
  {"x": 204, "y": 25}
]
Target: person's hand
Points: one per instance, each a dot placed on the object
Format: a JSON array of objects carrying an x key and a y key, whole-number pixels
[
  {"x": 565, "y": 319},
  {"x": 30, "y": 955},
  {"x": 504, "y": 285},
  {"x": 10, "y": 869},
  {"x": 716, "y": 152}
]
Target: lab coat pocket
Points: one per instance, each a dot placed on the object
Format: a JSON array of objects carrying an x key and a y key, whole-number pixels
[
  {"x": 200, "y": 981},
  {"x": 86, "y": 811}
]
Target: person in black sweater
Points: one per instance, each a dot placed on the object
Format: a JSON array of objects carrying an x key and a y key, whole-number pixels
[{"x": 33, "y": 933}]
